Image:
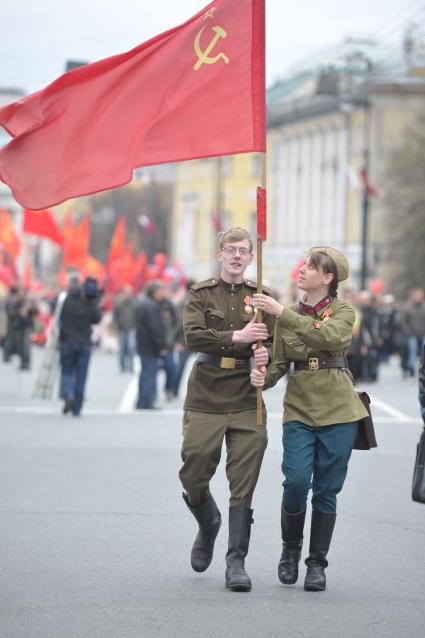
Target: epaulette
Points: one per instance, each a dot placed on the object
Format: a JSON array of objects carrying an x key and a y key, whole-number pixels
[
  {"x": 208, "y": 283},
  {"x": 253, "y": 284}
]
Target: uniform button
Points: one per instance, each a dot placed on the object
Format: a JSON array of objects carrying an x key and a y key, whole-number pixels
[
  {"x": 231, "y": 325},
  {"x": 232, "y": 308}
]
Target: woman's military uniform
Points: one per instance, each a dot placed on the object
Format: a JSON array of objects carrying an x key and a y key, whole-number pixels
[{"x": 321, "y": 411}]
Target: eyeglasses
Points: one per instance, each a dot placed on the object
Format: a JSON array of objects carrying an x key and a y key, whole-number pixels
[{"x": 232, "y": 250}]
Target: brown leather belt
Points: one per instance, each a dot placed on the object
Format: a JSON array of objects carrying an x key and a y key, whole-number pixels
[
  {"x": 227, "y": 363},
  {"x": 320, "y": 362}
]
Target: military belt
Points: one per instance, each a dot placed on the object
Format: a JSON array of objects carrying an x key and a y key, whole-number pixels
[
  {"x": 226, "y": 363},
  {"x": 320, "y": 362}
]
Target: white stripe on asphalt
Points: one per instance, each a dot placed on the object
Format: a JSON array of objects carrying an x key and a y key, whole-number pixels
[
  {"x": 130, "y": 395},
  {"x": 385, "y": 407}
]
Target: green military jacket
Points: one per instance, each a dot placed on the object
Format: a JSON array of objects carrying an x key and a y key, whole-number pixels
[
  {"x": 315, "y": 397},
  {"x": 214, "y": 309}
]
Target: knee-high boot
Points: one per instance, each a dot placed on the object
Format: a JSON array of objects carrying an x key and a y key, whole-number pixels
[
  {"x": 292, "y": 542},
  {"x": 209, "y": 520},
  {"x": 240, "y": 521},
  {"x": 322, "y": 527}
]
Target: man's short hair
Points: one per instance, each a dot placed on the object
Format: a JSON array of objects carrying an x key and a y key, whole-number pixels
[
  {"x": 73, "y": 279},
  {"x": 153, "y": 286},
  {"x": 234, "y": 234}
]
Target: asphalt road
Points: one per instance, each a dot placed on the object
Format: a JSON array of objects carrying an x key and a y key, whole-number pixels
[{"x": 95, "y": 537}]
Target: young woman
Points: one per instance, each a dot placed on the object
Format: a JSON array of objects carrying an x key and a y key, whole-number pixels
[{"x": 321, "y": 408}]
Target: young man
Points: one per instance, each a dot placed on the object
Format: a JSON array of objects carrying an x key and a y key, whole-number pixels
[{"x": 219, "y": 324}]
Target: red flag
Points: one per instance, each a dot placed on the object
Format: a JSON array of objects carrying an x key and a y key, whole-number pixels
[
  {"x": 76, "y": 242},
  {"x": 91, "y": 267},
  {"x": 8, "y": 236},
  {"x": 146, "y": 224},
  {"x": 43, "y": 224},
  {"x": 197, "y": 90},
  {"x": 116, "y": 248},
  {"x": 129, "y": 265},
  {"x": 27, "y": 274},
  {"x": 371, "y": 190}
]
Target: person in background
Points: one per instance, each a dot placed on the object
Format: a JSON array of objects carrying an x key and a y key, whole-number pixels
[
  {"x": 151, "y": 342},
  {"x": 388, "y": 313},
  {"x": 370, "y": 340},
  {"x": 170, "y": 321},
  {"x": 321, "y": 408},
  {"x": 413, "y": 324},
  {"x": 421, "y": 379},
  {"x": 183, "y": 353},
  {"x": 21, "y": 310},
  {"x": 79, "y": 312},
  {"x": 124, "y": 321},
  {"x": 3, "y": 314}
]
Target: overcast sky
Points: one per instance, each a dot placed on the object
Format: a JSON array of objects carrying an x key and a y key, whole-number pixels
[{"x": 38, "y": 36}]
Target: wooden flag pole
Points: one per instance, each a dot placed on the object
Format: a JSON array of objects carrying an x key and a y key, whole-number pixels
[{"x": 260, "y": 238}]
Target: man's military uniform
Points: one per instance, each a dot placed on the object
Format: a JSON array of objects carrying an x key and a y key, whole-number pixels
[{"x": 220, "y": 403}]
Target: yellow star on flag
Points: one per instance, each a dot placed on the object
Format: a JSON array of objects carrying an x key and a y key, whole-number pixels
[{"x": 209, "y": 13}]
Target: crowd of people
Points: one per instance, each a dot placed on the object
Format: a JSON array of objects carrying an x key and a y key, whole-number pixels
[{"x": 149, "y": 326}]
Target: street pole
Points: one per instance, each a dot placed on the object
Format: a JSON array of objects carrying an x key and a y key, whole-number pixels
[{"x": 365, "y": 203}]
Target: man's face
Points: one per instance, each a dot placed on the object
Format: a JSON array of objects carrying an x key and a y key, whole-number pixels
[{"x": 235, "y": 257}]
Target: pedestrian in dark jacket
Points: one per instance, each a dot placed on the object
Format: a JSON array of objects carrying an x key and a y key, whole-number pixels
[
  {"x": 422, "y": 383},
  {"x": 151, "y": 342},
  {"x": 79, "y": 312},
  {"x": 124, "y": 319}
]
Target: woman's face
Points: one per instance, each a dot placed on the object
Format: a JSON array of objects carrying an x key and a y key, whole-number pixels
[{"x": 310, "y": 279}]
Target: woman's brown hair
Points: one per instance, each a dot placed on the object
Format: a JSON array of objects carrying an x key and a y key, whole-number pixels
[{"x": 319, "y": 259}]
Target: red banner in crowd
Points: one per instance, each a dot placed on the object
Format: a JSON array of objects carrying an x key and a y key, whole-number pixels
[{"x": 43, "y": 224}]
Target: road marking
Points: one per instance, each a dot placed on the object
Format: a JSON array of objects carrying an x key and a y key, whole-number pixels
[
  {"x": 385, "y": 407},
  {"x": 130, "y": 395}
]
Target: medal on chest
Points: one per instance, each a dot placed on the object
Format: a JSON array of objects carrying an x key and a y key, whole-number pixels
[{"x": 249, "y": 305}]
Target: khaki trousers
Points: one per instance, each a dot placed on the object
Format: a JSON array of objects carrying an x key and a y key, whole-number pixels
[{"x": 203, "y": 435}]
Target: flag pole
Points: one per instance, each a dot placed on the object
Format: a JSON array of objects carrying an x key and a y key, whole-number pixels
[{"x": 261, "y": 235}]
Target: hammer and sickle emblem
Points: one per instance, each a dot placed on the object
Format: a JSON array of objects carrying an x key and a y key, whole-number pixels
[{"x": 203, "y": 55}]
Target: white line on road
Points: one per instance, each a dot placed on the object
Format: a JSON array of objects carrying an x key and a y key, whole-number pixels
[
  {"x": 130, "y": 395},
  {"x": 385, "y": 407}
]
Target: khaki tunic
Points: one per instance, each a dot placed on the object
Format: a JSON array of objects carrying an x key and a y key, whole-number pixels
[
  {"x": 315, "y": 397},
  {"x": 213, "y": 311}
]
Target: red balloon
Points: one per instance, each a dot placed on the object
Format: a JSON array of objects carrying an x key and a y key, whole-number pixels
[{"x": 377, "y": 286}]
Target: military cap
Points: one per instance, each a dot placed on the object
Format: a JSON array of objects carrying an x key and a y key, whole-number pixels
[{"x": 337, "y": 257}]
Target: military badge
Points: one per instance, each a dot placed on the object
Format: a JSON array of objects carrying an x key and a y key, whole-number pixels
[
  {"x": 326, "y": 314},
  {"x": 249, "y": 304}
]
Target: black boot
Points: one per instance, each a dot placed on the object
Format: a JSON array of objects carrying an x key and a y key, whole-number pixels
[
  {"x": 209, "y": 521},
  {"x": 322, "y": 527},
  {"x": 240, "y": 521},
  {"x": 292, "y": 542}
]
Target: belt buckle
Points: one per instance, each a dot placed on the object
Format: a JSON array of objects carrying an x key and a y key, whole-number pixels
[
  {"x": 228, "y": 363},
  {"x": 313, "y": 363}
]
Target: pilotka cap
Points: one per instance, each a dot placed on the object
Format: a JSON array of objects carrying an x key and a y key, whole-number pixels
[{"x": 336, "y": 255}]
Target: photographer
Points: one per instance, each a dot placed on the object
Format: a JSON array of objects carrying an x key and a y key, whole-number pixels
[{"x": 79, "y": 312}]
